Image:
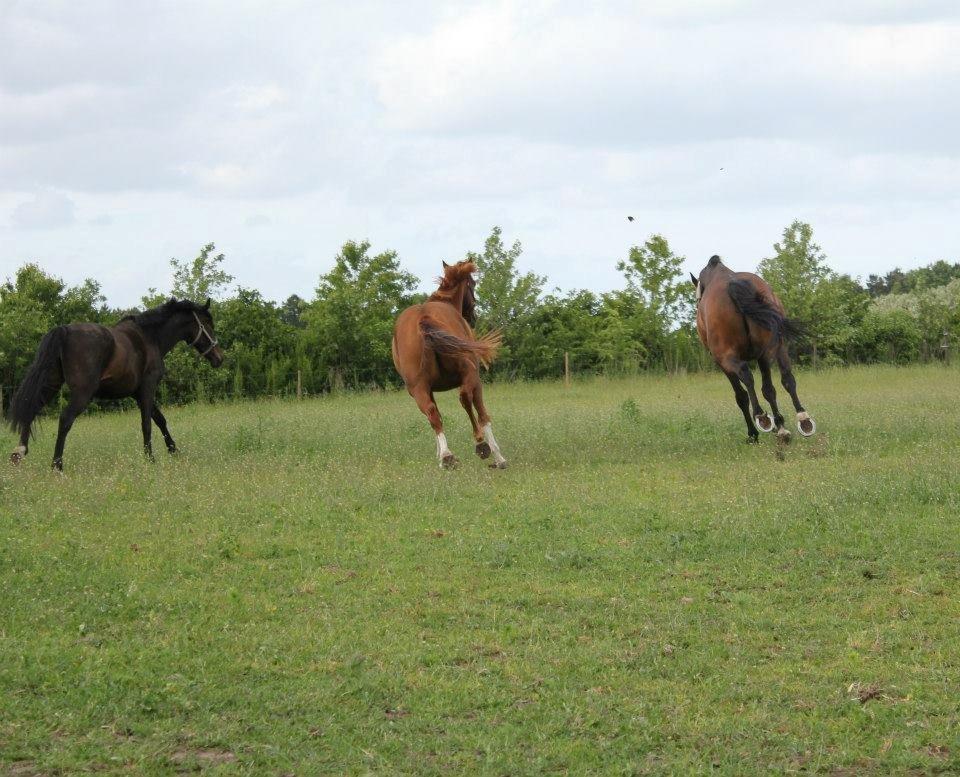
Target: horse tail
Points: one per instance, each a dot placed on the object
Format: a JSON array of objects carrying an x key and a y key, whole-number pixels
[
  {"x": 41, "y": 383},
  {"x": 752, "y": 306},
  {"x": 446, "y": 344}
]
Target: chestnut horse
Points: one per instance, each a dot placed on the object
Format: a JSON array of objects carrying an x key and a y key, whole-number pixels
[
  {"x": 434, "y": 349},
  {"x": 125, "y": 360},
  {"x": 740, "y": 319}
]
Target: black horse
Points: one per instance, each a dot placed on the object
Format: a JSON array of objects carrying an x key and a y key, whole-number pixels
[{"x": 125, "y": 360}]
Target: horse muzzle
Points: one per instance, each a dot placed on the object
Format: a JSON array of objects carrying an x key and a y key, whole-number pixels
[{"x": 215, "y": 357}]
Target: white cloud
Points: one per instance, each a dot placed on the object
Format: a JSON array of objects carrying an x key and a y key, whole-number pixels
[
  {"x": 47, "y": 209},
  {"x": 419, "y": 125}
]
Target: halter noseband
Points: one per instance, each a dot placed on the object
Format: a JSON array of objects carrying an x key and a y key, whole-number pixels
[{"x": 203, "y": 331}]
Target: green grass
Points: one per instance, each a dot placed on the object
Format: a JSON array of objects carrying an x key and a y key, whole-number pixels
[{"x": 303, "y": 591}]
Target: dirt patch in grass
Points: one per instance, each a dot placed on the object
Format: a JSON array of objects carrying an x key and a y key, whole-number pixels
[{"x": 203, "y": 756}]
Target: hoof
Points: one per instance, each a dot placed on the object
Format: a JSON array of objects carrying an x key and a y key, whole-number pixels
[
  {"x": 806, "y": 425},
  {"x": 783, "y": 435},
  {"x": 172, "y": 449},
  {"x": 753, "y": 439},
  {"x": 16, "y": 457},
  {"x": 58, "y": 465},
  {"x": 764, "y": 422},
  {"x": 449, "y": 462},
  {"x": 483, "y": 450},
  {"x": 498, "y": 465}
]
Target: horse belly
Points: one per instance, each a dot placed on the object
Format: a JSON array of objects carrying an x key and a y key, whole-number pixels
[{"x": 119, "y": 378}]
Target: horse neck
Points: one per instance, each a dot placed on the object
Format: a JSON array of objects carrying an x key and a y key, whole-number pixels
[
  {"x": 171, "y": 332},
  {"x": 453, "y": 297}
]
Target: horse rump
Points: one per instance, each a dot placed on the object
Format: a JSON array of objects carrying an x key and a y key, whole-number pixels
[
  {"x": 446, "y": 344},
  {"x": 752, "y": 305},
  {"x": 41, "y": 383}
]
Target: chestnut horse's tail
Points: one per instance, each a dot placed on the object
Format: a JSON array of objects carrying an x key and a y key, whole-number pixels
[
  {"x": 41, "y": 383},
  {"x": 446, "y": 344},
  {"x": 752, "y": 305}
]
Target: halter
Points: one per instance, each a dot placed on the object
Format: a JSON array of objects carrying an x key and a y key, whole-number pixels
[{"x": 203, "y": 331}]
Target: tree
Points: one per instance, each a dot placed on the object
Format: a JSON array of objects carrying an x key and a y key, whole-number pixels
[
  {"x": 826, "y": 303},
  {"x": 654, "y": 277},
  {"x": 291, "y": 312},
  {"x": 349, "y": 324},
  {"x": 32, "y": 304},
  {"x": 201, "y": 278},
  {"x": 505, "y": 296}
]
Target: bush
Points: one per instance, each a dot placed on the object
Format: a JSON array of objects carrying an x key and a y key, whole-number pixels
[{"x": 888, "y": 336}]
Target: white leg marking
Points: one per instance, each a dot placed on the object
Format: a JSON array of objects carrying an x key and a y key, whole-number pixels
[
  {"x": 498, "y": 459},
  {"x": 21, "y": 450},
  {"x": 442, "y": 449}
]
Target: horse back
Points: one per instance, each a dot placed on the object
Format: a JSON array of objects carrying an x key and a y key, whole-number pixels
[
  {"x": 413, "y": 358},
  {"x": 722, "y": 327}
]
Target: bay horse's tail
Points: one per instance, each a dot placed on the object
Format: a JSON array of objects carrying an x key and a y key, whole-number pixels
[
  {"x": 41, "y": 383},
  {"x": 446, "y": 344},
  {"x": 752, "y": 305}
]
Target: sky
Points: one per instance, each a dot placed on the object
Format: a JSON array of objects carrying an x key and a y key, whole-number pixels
[{"x": 132, "y": 132}]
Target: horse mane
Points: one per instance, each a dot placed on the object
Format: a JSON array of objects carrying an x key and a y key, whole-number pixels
[
  {"x": 158, "y": 316},
  {"x": 454, "y": 275}
]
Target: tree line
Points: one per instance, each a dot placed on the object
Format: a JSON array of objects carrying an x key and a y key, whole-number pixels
[{"x": 341, "y": 337}]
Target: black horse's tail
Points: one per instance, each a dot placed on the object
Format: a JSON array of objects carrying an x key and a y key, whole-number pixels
[
  {"x": 754, "y": 307},
  {"x": 41, "y": 383}
]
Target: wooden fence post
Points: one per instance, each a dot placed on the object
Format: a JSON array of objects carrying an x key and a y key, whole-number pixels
[
  {"x": 299, "y": 386},
  {"x": 1, "y": 400},
  {"x": 815, "y": 363},
  {"x": 566, "y": 369}
]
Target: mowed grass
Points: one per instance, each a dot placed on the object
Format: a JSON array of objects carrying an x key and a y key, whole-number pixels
[{"x": 303, "y": 591}]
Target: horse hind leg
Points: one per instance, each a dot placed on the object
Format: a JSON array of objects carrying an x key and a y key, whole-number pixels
[
  {"x": 466, "y": 399},
  {"x": 49, "y": 390},
  {"x": 741, "y": 370},
  {"x": 770, "y": 394},
  {"x": 424, "y": 399},
  {"x": 805, "y": 424},
  {"x": 743, "y": 402},
  {"x": 79, "y": 399},
  {"x": 763, "y": 422},
  {"x": 499, "y": 462}
]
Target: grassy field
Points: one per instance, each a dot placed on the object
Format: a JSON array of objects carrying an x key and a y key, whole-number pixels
[{"x": 303, "y": 591}]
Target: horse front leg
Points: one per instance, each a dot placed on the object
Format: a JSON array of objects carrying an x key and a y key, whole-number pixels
[
  {"x": 146, "y": 417},
  {"x": 161, "y": 423}
]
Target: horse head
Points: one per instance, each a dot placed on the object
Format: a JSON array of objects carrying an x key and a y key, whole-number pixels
[
  {"x": 456, "y": 277},
  {"x": 205, "y": 341},
  {"x": 700, "y": 283}
]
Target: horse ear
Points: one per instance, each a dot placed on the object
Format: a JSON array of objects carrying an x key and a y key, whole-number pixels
[
  {"x": 714, "y": 260},
  {"x": 172, "y": 301},
  {"x": 207, "y": 306},
  {"x": 694, "y": 279},
  {"x": 445, "y": 265}
]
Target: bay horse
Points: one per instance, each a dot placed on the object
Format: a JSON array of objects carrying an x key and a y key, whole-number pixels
[
  {"x": 435, "y": 349},
  {"x": 740, "y": 319},
  {"x": 125, "y": 360}
]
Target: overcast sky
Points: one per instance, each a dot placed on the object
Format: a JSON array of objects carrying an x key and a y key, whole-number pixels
[{"x": 131, "y": 132}]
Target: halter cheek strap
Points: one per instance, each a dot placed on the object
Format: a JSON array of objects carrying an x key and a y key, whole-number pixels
[{"x": 203, "y": 331}]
